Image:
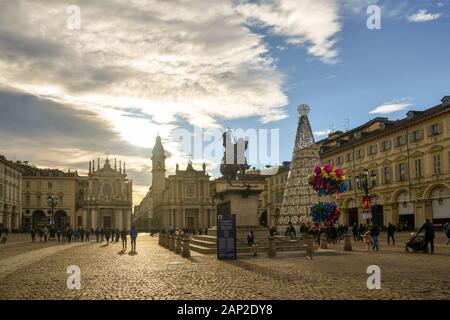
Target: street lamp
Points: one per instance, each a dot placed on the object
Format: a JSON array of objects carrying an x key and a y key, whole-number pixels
[
  {"x": 52, "y": 201},
  {"x": 366, "y": 182}
]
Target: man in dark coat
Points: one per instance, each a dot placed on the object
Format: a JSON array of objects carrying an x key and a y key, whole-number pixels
[{"x": 429, "y": 234}]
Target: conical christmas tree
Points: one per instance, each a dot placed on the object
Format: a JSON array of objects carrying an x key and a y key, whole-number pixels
[{"x": 298, "y": 195}]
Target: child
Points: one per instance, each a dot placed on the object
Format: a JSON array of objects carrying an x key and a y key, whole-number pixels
[{"x": 368, "y": 240}]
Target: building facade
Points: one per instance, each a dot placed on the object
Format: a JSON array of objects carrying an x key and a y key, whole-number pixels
[
  {"x": 181, "y": 200},
  {"x": 275, "y": 191},
  {"x": 410, "y": 162},
  {"x": 10, "y": 195},
  {"x": 105, "y": 197}
]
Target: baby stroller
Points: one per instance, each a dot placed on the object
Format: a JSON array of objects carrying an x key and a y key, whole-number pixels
[{"x": 416, "y": 243}]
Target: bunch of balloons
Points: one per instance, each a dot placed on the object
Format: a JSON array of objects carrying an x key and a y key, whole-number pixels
[
  {"x": 325, "y": 212},
  {"x": 327, "y": 180}
]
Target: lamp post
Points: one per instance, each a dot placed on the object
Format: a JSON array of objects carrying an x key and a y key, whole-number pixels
[
  {"x": 52, "y": 201},
  {"x": 366, "y": 182}
]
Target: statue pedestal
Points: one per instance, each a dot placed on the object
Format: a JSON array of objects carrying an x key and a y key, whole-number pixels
[{"x": 243, "y": 202}]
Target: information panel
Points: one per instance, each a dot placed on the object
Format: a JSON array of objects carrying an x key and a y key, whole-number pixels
[{"x": 226, "y": 237}]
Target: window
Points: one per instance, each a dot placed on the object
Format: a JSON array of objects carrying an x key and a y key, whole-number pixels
[
  {"x": 39, "y": 185},
  {"x": 28, "y": 184},
  {"x": 61, "y": 186},
  {"x": 417, "y": 135},
  {"x": 339, "y": 160},
  {"x": 61, "y": 201},
  {"x": 50, "y": 185},
  {"x": 349, "y": 157},
  {"x": 360, "y": 154},
  {"x": 435, "y": 129},
  {"x": 419, "y": 168},
  {"x": 38, "y": 201},
  {"x": 373, "y": 150},
  {"x": 374, "y": 173},
  {"x": 400, "y": 141},
  {"x": 350, "y": 186},
  {"x": 385, "y": 145},
  {"x": 437, "y": 163},
  {"x": 401, "y": 172},
  {"x": 1, "y": 190},
  {"x": 27, "y": 201}
]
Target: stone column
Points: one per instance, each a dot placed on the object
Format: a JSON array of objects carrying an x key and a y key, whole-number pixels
[
  {"x": 85, "y": 219},
  {"x": 272, "y": 247},
  {"x": 94, "y": 218},
  {"x": 128, "y": 222},
  {"x": 9, "y": 221},
  {"x": 119, "y": 219},
  {"x": 323, "y": 241}
]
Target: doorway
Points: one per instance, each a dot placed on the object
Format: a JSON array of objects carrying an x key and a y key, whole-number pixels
[
  {"x": 190, "y": 223},
  {"x": 378, "y": 216},
  {"x": 107, "y": 222},
  {"x": 352, "y": 216}
]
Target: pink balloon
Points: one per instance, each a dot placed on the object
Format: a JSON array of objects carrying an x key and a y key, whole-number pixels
[
  {"x": 328, "y": 168},
  {"x": 318, "y": 170},
  {"x": 339, "y": 172}
]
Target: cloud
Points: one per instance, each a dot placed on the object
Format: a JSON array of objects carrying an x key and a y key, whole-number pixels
[
  {"x": 393, "y": 106},
  {"x": 423, "y": 16},
  {"x": 313, "y": 23}
]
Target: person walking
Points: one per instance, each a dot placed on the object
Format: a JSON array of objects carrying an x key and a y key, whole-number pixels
[
  {"x": 88, "y": 231},
  {"x": 133, "y": 237},
  {"x": 117, "y": 231},
  {"x": 3, "y": 236},
  {"x": 429, "y": 234},
  {"x": 102, "y": 234},
  {"x": 355, "y": 232},
  {"x": 33, "y": 235},
  {"x": 69, "y": 234},
  {"x": 58, "y": 234},
  {"x": 251, "y": 241},
  {"x": 123, "y": 236},
  {"x": 107, "y": 236},
  {"x": 447, "y": 232},
  {"x": 45, "y": 231},
  {"x": 391, "y": 232},
  {"x": 113, "y": 234},
  {"x": 374, "y": 233},
  {"x": 97, "y": 234}
]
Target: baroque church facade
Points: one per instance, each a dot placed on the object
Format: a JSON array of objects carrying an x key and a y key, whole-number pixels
[
  {"x": 181, "y": 200},
  {"x": 105, "y": 197}
]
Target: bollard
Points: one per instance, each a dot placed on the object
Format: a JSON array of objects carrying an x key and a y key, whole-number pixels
[
  {"x": 272, "y": 247},
  {"x": 348, "y": 242},
  {"x": 186, "y": 250},
  {"x": 323, "y": 241},
  {"x": 178, "y": 245},
  {"x": 160, "y": 241},
  {"x": 172, "y": 243},
  {"x": 309, "y": 241},
  {"x": 166, "y": 241}
]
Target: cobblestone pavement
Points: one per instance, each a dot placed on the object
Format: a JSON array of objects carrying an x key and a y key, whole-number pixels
[{"x": 157, "y": 273}]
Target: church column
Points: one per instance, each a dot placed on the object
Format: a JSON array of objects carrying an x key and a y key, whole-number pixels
[
  {"x": 128, "y": 217},
  {"x": 85, "y": 219},
  {"x": 94, "y": 218},
  {"x": 119, "y": 219}
]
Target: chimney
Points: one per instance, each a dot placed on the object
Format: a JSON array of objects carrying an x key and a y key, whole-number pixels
[{"x": 445, "y": 101}]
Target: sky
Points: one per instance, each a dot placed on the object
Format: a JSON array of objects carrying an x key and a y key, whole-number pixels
[{"x": 86, "y": 79}]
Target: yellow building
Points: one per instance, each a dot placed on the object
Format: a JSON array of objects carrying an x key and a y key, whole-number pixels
[
  {"x": 10, "y": 195},
  {"x": 275, "y": 190},
  {"x": 410, "y": 162},
  {"x": 143, "y": 213},
  {"x": 38, "y": 185}
]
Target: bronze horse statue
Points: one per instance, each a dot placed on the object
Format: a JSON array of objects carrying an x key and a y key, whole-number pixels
[{"x": 231, "y": 170}]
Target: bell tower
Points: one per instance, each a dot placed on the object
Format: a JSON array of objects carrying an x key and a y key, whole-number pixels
[{"x": 158, "y": 170}]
